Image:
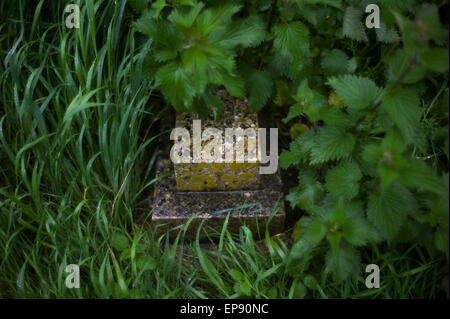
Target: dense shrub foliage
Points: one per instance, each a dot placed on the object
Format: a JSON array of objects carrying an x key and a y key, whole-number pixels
[{"x": 368, "y": 108}]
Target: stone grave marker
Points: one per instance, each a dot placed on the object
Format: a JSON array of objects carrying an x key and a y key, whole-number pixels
[{"x": 217, "y": 175}]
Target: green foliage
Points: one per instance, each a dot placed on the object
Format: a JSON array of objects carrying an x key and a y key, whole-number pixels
[
  {"x": 334, "y": 62},
  {"x": 370, "y": 171},
  {"x": 194, "y": 50},
  {"x": 342, "y": 181},
  {"x": 356, "y": 92},
  {"x": 402, "y": 105},
  {"x": 291, "y": 40},
  {"x": 259, "y": 85},
  {"x": 352, "y": 27},
  {"x": 331, "y": 143}
]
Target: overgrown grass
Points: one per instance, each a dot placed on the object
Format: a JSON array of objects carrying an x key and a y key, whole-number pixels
[{"x": 77, "y": 153}]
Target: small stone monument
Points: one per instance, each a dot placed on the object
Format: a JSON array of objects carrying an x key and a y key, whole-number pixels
[{"x": 215, "y": 179}]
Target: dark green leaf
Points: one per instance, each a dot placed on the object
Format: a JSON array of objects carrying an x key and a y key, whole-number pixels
[
  {"x": 331, "y": 143},
  {"x": 342, "y": 181},
  {"x": 334, "y": 62},
  {"x": 402, "y": 106},
  {"x": 342, "y": 263},
  {"x": 119, "y": 241},
  {"x": 388, "y": 210},
  {"x": 353, "y": 27},
  {"x": 291, "y": 39},
  {"x": 357, "y": 92}
]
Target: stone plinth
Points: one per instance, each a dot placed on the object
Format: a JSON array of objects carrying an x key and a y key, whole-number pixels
[
  {"x": 213, "y": 191},
  {"x": 216, "y": 176}
]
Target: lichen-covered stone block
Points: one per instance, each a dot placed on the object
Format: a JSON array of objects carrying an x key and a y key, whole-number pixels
[{"x": 232, "y": 150}]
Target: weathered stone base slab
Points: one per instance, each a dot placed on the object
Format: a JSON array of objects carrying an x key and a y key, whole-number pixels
[{"x": 252, "y": 208}]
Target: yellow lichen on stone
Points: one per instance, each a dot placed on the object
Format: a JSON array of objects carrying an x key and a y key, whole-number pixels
[
  {"x": 227, "y": 178},
  {"x": 246, "y": 176},
  {"x": 210, "y": 176}
]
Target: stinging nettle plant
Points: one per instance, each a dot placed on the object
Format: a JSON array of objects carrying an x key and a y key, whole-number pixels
[
  {"x": 363, "y": 174},
  {"x": 193, "y": 51},
  {"x": 371, "y": 150}
]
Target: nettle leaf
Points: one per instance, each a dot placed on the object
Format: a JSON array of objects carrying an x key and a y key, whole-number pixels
[
  {"x": 342, "y": 181},
  {"x": 333, "y": 115},
  {"x": 149, "y": 26},
  {"x": 247, "y": 33},
  {"x": 334, "y": 239},
  {"x": 304, "y": 196},
  {"x": 388, "y": 157},
  {"x": 410, "y": 34},
  {"x": 174, "y": 82},
  {"x": 220, "y": 61},
  {"x": 436, "y": 59},
  {"x": 157, "y": 7},
  {"x": 311, "y": 14},
  {"x": 307, "y": 193},
  {"x": 194, "y": 60},
  {"x": 428, "y": 15},
  {"x": 149, "y": 66},
  {"x": 331, "y": 143},
  {"x": 337, "y": 216},
  {"x": 402, "y": 106},
  {"x": 352, "y": 65},
  {"x": 409, "y": 230},
  {"x": 359, "y": 232},
  {"x": 259, "y": 85},
  {"x": 353, "y": 27},
  {"x": 316, "y": 231},
  {"x": 385, "y": 34},
  {"x": 183, "y": 18},
  {"x": 280, "y": 65},
  {"x": 401, "y": 6},
  {"x": 167, "y": 41},
  {"x": 289, "y": 158},
  {"x": 398, "y": 63},
  {"x": 233, "y": 83},
  {"x": 342, "y": 263},
  {"x": 388, "y": 210},
  {"x": 304, "y": 94},
  {"x": 439, "y": 206},
  {"x": 313, "y": 108},
  {"x": 291, "y": 39},
  {"x": 334, "y": 62},
  {"x": 418, "y": 175},
  {"x": 333, "y": 3},
  {"x": 357, "y": 92},
  {"x": 299, "y": 150},
  {"x": 309, "y": 102},
  {"x": 213, "y": 18}
]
